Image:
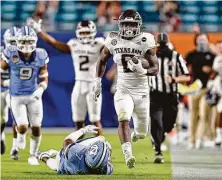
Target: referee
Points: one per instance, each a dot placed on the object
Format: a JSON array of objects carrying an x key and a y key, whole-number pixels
[{"x": 163, "y": 95}]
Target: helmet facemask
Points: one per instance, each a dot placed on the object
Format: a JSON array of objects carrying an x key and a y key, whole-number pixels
[
  {"x": 26, "y": 44},
  {"x": 85, "y": 36},
  {"x": 86, "y": 31}
]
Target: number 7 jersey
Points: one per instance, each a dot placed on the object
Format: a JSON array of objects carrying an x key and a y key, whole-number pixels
[
  {"x": 24, "y": 75},
  {"x": 122, "y": 50},
  {"x": 85, "y": 58}
]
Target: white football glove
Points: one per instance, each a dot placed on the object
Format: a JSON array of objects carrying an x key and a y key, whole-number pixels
[
  {"x": 38, "y": 93},
  {"x": 37, "y": 26},
  {"x": 6, "y": 83},
  {"x": 97, "y": 88},
  {"x": 90, "y": 129},
  {"x": 136, "y": 68}
]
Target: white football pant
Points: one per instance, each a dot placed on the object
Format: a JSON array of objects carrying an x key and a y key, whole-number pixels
[
  {"x": 82, "y": 100},
  {"x": 27, "y": 110},
  {"x": 138, "y": 106}
]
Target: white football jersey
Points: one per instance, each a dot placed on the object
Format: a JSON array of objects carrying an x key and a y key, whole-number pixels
[
  {"x": 85, "y": 58},
  {"x": 122, "y": 48}
]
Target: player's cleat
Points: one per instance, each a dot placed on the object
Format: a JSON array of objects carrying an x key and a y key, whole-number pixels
[
  {"x": 130, "y": 162},
  {"x": 158, "y": 159},
  {"x": 47, "y": 154},
  {"x": 3, "y": 147},
  {"x": 14, "y": 154},
  {"x": 33, "y": 161},
  {"x": 134, "y": 137}
]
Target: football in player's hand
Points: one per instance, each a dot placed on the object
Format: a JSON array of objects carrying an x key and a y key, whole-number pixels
[{"x": 144, "y": 62}]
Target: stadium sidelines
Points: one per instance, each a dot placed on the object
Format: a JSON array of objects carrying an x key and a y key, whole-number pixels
[{"x": 194, "y": 164}]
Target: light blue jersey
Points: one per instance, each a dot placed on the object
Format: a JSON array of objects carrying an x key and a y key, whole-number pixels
[
  {"x": 24, "y": 73},
  {"x": 72, "y": 161}
]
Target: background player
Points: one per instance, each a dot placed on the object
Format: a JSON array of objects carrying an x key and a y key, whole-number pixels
[
  {"x": 132, "y": 96},
  {"x": 87, "y": 156},
  {"x": 27, "y": 65},
  {"x": 85, "y": 51},
  {"x": 10, "y": 43}
]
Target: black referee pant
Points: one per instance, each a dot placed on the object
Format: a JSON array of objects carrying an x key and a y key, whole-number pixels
[{"x": 163, "y": 113}]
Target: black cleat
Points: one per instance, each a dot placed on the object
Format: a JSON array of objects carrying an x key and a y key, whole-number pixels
[
  {"x": 158, "y": 159},
  {"x": 3, "y": 147},
  {"x": 15, "y": 154}
]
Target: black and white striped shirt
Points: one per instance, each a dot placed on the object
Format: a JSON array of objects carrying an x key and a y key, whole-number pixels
[{"x": 170, "y": 63}]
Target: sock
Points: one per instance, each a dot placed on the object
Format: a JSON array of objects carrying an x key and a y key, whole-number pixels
[
  {"x": 2, "y": 136},
  {"x": 127, "y": 149},
  {"x": 34, "y": 144},
  {"x": 52, "y": 164},
  {"x": 14, "y": 144},
  {"x": 21, "y": 136}
]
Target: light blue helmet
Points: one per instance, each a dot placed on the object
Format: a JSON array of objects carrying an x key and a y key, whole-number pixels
[
  {"x": 26, "y": 39},
  {"x": 10, "y": 37},
  {"x": 98, "y": 155}
]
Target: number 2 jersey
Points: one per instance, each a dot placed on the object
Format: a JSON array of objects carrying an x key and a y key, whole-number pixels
[
  {"x": 121, "y": 49},
  {"x": 24, "y": 74},
  {"x": 85, "y": 58}
]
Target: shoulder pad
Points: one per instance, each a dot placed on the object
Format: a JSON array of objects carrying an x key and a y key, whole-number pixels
[
  {"x": 100, "y": 40},
  {"x": 42, "y": 54},
  {"x": 146, "y": 37},
  {"x": 72, "y": 42}
]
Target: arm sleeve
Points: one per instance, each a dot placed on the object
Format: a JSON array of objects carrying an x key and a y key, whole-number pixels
[
  {"x": 70, "y": 43},
  {"x": 150, "y": 41},
  {"x": 181, "y": 64},
  {"x": 43, "y": 55}
]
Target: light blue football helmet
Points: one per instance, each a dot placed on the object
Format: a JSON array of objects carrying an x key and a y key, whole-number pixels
[
  {"x": 98, "y": 155},
  {"x": 26, "y": 39},
  {"x": 10, "y": 37}
]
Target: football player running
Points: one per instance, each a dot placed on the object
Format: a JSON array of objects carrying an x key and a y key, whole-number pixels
[
  {"x": 9, "y": 43},
  {"x": 129, "y": 46},
  {"x": 85, "y": 51},
  {"x": 27, "y": 66},
  {"x": 86, "y": 156}
]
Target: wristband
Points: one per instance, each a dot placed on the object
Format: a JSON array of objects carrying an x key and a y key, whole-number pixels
[{"x": 43, "y": 85}]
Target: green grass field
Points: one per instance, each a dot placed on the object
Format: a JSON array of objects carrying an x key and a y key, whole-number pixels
[{"x": 145, "y": 169}]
